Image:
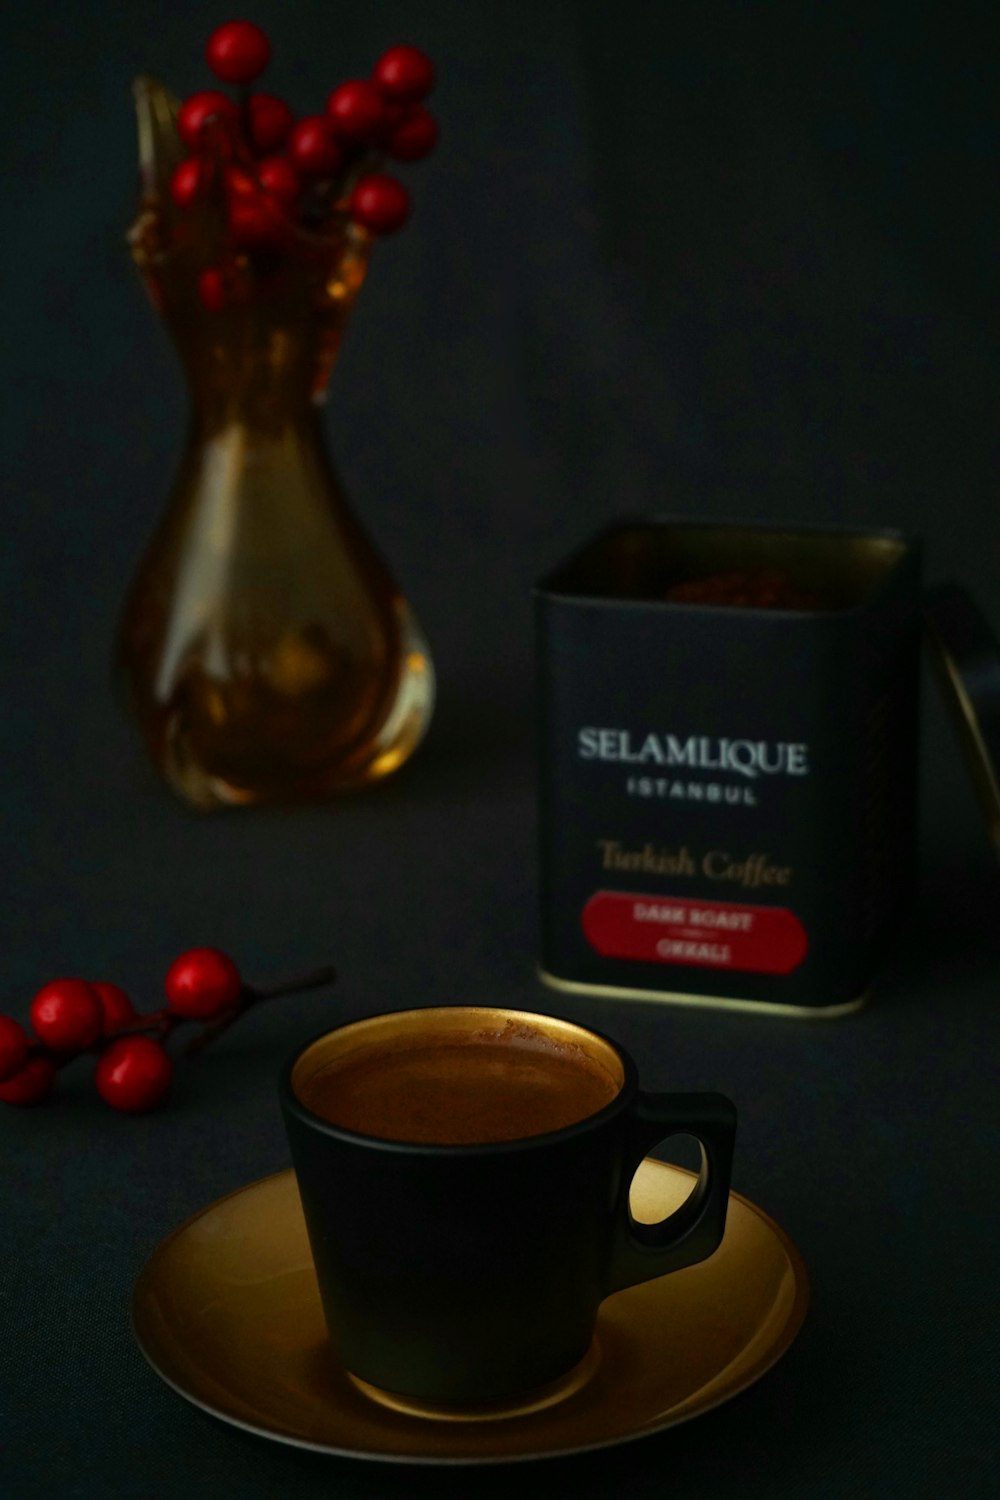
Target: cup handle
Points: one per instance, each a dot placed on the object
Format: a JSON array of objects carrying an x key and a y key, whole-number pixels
[{"x": 695, "y": 1230}]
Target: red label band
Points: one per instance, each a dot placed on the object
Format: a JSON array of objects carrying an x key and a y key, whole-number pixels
[{"x": 707, "y": 934}]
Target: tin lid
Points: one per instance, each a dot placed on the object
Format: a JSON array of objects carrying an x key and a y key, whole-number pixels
[{"x": 967, "y": 655}]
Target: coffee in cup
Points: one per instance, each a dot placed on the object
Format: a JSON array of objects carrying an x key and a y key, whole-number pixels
[
  {"x": 464, "y": 1173},
  {"x": 457, "y": 1088}
]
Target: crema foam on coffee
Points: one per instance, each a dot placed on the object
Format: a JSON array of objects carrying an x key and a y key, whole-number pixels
[{"x": 460, "y": 1090}]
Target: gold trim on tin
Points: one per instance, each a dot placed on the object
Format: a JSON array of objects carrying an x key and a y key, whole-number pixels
[
  {"x": 707, "y": 1002},
  {"x": 632, "y": 562}
]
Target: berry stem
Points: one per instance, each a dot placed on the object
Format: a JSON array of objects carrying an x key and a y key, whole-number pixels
[
  {"x": 161, "y": 1024},
  {"x": 313, "y": 979},
  {"x": 158, "y": 1024},
  {"x": 212, "y": 1029},
  {"x": 243, "y": 105},
  {"x": 333, "y": 193},
  {"x": 362, "y": 165},
  {"x": 253, "y": 995}
]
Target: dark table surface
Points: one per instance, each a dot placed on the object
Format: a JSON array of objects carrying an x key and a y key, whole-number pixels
[{"x": 733, "y": 262}]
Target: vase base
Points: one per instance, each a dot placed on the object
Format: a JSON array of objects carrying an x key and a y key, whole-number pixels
[{"x": 212, "y": 757}]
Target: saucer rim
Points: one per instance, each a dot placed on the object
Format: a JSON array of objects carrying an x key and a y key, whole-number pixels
[{"x": 766, "y": 1361}]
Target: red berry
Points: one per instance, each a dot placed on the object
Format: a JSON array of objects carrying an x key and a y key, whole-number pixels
[
  {"x": 196, "y": 112},
  {"x": 201, "y": 983},
  {"x": 238, "y": 52},
  {"x": 67, "y": 1015},
  {"x": 313, "y": 149},
  {"x": 380, "y": 203},
  {"x": 116, "y": 1007},
  {"x": 187, "y": 182},
  {"x": 279, "y": 178},
  {"x": 239, "y": 180},
  {"x": 133, "y": 1074},
  {"x": 13, "y": 1046},
  {"x": 31, "y": 1084},
  {"x": 254, "y": 224},
  {"x": 415, "y": 137},
  {"x": 404, "y": 73},
  {"x": 212, "y": 289},
  {"x": 270, "y": 122},
  {"x": 355, "y": 109},
  {"x": 256, "y": 219}
]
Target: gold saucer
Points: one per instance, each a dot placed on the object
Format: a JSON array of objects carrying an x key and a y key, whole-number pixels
[{"x": 228, "y": 1313}]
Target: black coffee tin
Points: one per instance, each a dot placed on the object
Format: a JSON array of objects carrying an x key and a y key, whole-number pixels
[{"x": 727, "y": 794}]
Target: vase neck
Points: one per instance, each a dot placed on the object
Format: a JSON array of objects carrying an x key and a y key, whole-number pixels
[
  {"x": 275, "y": 437},
  {"x": 263, "y": 376},
  {"x": 270, "y": 347}
]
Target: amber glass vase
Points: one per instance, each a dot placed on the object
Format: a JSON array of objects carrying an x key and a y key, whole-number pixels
[{"x": 267, "y": 653}]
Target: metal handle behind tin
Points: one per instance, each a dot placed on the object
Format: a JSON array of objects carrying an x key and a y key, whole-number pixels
[{"x": 694, "y": 1230}]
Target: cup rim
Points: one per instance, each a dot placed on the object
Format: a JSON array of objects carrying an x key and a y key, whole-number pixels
[{"x": 294, "y": 1106}]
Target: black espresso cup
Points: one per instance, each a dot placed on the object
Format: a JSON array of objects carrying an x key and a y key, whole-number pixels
[{"x": 465, "y": 1173}]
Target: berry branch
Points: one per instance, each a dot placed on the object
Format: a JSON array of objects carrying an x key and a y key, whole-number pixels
[
  {"x": 279, "y": 174},
  {"x": 71, "y": 1017}
]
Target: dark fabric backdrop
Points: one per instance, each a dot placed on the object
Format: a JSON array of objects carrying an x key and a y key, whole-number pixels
[{"x": 716, "y": 259}]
